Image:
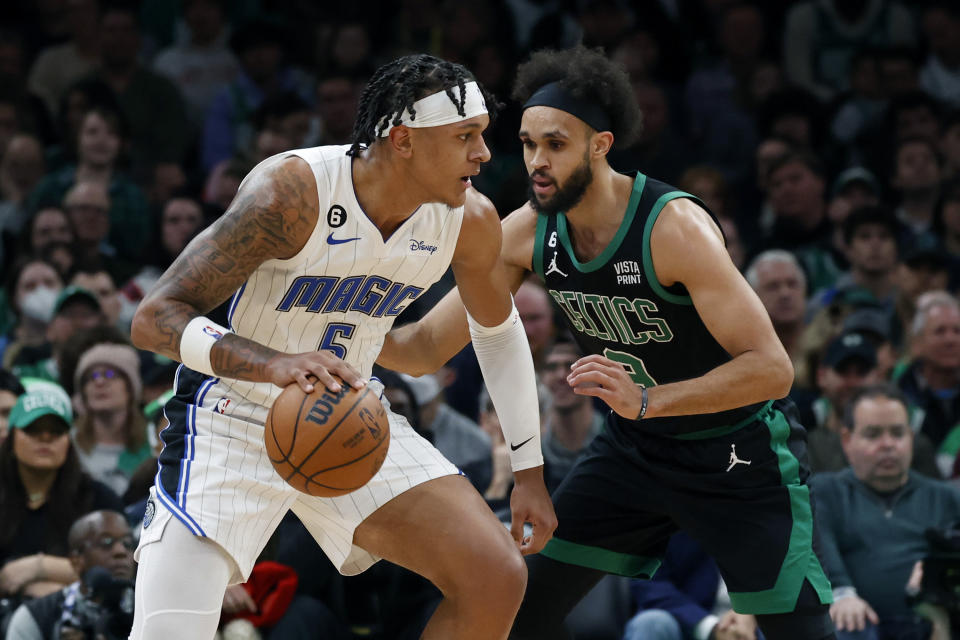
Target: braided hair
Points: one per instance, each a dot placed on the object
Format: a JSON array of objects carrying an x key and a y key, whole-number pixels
[
  {"x": 396, "y": 85},
  {"x": 589, "y": 75}
]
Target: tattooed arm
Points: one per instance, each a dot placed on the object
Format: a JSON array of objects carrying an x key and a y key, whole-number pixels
[{"x": 272, "y": 217}]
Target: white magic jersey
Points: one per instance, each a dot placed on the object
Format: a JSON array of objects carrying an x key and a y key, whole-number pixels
[
  {"x": 345, "y": 288},
  {"x": 340, "y": 293}
]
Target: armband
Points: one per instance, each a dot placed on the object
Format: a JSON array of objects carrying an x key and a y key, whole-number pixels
[{"x": 507, "y": 366}]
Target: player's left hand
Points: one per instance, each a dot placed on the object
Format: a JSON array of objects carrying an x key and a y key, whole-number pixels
[
  {"x": 530, "y": 502},
  {"x": 736, "y": 626},
  {"x": 601, "y": 377},
  {"x": 237, "y": 600}
]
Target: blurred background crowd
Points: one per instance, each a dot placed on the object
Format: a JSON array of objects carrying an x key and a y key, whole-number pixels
[{"x": 823, "y": 134}]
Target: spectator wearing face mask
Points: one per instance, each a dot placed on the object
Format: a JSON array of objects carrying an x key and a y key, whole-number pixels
[
  {"x": 74, "y": 310},
  {"x": 32, "y": 287}
]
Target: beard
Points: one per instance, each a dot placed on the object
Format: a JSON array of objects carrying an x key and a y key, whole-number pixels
[{"x": 567, "y": 196}]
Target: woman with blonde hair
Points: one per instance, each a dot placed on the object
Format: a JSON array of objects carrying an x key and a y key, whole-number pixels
[{"x": 111, "y": 432}]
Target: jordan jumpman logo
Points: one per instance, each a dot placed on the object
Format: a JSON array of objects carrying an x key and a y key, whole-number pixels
[
  {"x": 734, "y": 460},
  {"x": 552, "y": 267}
]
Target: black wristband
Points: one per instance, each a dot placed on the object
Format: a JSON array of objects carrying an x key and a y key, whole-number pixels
[{"x": 643, "y": 403}]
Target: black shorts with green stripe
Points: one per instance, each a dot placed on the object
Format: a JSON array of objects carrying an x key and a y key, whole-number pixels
[{"x": 740, "y": 492}]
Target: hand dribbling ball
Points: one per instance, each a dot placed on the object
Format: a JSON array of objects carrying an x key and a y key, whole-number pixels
[{"x": 327, "y": 444}]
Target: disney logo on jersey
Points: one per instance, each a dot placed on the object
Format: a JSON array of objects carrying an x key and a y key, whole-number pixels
[
  {"x": 371, "y": 295},
  {"x": 420, "y": 245},
  {"x": 613, "y": 318}
]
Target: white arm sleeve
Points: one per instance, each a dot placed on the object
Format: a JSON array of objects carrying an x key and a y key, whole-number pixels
[{"x": 507, "y": 366}]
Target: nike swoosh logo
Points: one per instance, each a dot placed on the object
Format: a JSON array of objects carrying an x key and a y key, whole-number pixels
[
  {"x": 332, "y": 240},
  {"x": 514, "y": 447}
]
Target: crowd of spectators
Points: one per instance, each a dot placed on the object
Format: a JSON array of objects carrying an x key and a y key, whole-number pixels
[{"x": 824, "y": 135}]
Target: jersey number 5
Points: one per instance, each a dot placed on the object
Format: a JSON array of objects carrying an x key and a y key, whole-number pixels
[
  {"x": 336, "y": 331},
  {"x": 633, "y": 365}
]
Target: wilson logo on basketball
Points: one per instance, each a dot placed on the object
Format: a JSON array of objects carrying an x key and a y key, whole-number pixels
[{"x": 323, "y": 407}]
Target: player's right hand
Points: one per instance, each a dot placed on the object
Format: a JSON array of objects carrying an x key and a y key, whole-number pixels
[
  {"x": 315, "y": 366},
  {"x": 852, "y": 613}
]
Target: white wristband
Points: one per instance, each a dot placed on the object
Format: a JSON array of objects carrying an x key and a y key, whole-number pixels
[
  {"x": 704, "y": 627},
  {"x": 507, "y": 367},
  {"x": 839, "y": 593},
  {"x": 198, "y": 338}
]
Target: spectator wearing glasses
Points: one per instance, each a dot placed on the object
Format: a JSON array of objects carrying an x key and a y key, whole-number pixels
[
  {"x": 101, "y": 539},
  {"x": 43, "y": 489},
  {"x": 111, "y": 434},
  {"x": 88, "y": 207}
]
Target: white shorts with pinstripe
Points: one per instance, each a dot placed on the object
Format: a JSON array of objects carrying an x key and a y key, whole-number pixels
[{"x": 225, "y": 489}]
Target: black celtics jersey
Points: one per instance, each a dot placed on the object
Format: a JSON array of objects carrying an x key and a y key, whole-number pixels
[{"x": 615, "y": 306}]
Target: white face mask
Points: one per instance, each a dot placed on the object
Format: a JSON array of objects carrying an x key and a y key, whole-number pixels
[{"x": 38, "y": 304}]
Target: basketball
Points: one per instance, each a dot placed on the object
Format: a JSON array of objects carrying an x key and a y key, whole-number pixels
[{"x": 327, "y": 444}]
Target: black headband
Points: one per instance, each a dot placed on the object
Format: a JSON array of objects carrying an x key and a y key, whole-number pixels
[{"x": 553, "y": 95}]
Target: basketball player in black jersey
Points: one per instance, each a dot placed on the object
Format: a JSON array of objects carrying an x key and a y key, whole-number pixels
[{"x": 682, "y": 351}]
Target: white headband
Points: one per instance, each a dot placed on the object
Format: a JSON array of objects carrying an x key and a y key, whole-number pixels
[{"x": 437, "y": 109}]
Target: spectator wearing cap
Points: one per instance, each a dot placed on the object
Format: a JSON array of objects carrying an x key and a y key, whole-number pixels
[
  {"x": 871, "y": 520},
  {"x": 456, "y": 436},
  {"x": 10, "y": 390},
  {"x": 781, "y": 285},
  {"x": 916, "y": 179},
  {"x": 854, "y": 188},
  {"x": 849, "y": 364},
  {"x": 101, "y": 539},
  {"x": 228, "y": 125},
  {"x": 75, "y": 309},
  {"x": 111, "y": 434},
  {"x": 875, "y": 325},
  {"x": 870, "y": 241},
  {"x": 932, "y": 381},
  {"x": 43, "y": 489}
]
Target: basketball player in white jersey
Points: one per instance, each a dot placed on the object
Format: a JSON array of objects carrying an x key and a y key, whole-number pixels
[{"x": 321, "y": 249}]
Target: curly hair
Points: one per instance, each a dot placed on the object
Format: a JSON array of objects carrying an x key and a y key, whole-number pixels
[
  {"x": 396, "y": 85},
  {"x": 588, "y": 75}
]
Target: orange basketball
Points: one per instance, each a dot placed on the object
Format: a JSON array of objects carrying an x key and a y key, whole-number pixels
[{"x": 327, "y": 444}]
